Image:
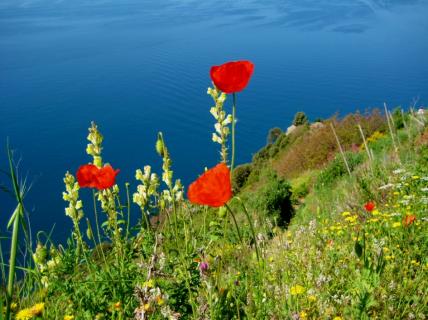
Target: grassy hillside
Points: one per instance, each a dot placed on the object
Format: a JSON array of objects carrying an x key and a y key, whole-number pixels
[{"x": 315, "y": 237}]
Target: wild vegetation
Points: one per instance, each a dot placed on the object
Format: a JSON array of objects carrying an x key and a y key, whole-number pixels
[{"x": 327, "y": 222}]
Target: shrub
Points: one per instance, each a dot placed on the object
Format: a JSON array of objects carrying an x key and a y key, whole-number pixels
[
  {"x": 273, "y": 135},
  {"x": 262, "y": 155},
  {"x": 300, "y": 119},
  {"x": 337, "y": 168},
  {"x": 240, "y": 176},
  {"x": 274, "y": 199},
  {"x": 398, "y": 118}
]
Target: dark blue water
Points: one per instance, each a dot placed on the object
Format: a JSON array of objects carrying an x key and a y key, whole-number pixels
[{"x": 137, "y": 67}]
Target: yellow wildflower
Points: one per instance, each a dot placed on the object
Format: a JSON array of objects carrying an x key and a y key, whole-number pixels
[
  {"x": 297, "y": 289},
  {"x": 415, "y": 262},
  {"x": 117, "y": 305},
  {"x": 337, "y": 318},
  {"x": 303, "y": 315},
  {"x": 346, "y": 213},
  {"x": 147, "y": 306},
  {"x": 68, "y": 317},
  {"x": 312, "y": 298},
  {"x": 29, "y": 313},
  {"x": 351, "y": 219},
  {"x": 38, "y": 308},
  {"x": 159, "y": 300},
  {"x": 24, "y": 314},
  {"x": 396, "y": 224},
  {"x": 13, "y": 306},
  {"x": 149, "y": 284}
]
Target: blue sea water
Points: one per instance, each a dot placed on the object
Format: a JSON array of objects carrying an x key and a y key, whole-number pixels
[{"x": 138, "y": 67}]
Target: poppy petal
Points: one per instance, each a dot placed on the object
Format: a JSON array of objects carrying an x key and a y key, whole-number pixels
[
  {"x": 106, "y": 177},
  {"x": 86, "y": 176},
  {"x": 213, "y": 188}
]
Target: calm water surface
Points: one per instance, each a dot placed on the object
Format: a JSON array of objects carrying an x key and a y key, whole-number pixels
[{"x": 137, "y": 67}]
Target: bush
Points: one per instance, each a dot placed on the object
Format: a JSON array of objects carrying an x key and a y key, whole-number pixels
[
  {"x": 240, "y": 176},
  {"x": 398, "y": 118},
  {"x": 262, "y": 155},
  {"x": 337, "y": 168},
  {"x": 274, "y": 199},
  {"x": 273, "y": 135},
  {"x": 300, "y": 119}
]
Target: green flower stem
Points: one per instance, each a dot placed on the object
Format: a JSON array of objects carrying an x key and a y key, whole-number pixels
[
  {"x": 232, "y": 165},
  {"x": 236, "y": 223},
  {"x": 252, "y": 228},
  {"x": 17, "y": 216},
  {"x": 12, "y": 260},
  {"x": 128, "y": 210}
]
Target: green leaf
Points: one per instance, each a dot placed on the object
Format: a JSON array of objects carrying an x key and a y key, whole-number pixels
[
  {"x": 12, "y": 218},
  {"x": 358, "y": 248}
]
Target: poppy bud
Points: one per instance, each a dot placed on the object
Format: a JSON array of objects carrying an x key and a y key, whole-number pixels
[
  {"x": 160, "y": 146},
  {"x": 222, "y": 212}
]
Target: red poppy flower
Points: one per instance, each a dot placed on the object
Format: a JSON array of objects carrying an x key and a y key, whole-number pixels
[
  {"x": 408, "y": 220},
  {"x": 91, "y": 176},
  {"x": 369, "y": 206},
  {"x": 86, "y": 176},
  {"x": 106, "y": 177},
  {"x": 213, "y": 188},
  {"x": 232, "y": 76}
]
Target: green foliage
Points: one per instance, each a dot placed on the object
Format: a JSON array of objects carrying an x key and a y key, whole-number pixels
[
  {"x": 398, "y": 117},
  {"x": 337, "y": 168},
  {"x": 273, "y": 135},
  {"x": 240, "y": 176},
  {"x": 274, "y": 199},
  {"x": 300, "y": 119}
]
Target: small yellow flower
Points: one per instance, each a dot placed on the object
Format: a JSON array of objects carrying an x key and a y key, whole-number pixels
[
  {"x": 270, "y": 259},
  {"x": 117, "y": 305},
  {"x": 351, "y": 219},
  {"x": 160, "y": 301},
  {"x": 24, "y": 314},
  {"x": 68, "y": 317},
  {"x": 375, "y": 212},
  {"x": 337, "y": 318},
  {"x": 13, "y": 306},
  {"x": 346, "y": 213},
  {"x": 38, "y": 308},
  {"x": 385, "y": 249},
  {"x": 396, "y": 224},
  {"x": 415, "y": 177},
  {"x": 29, "y": 313},
  {"x": 147, "y": 307},
  {"x": 297, "y": 289},
  {"x": 312, "y": 298},
  {"x": 149, "y": 284},
  {"x": 303, "y": 315}
]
